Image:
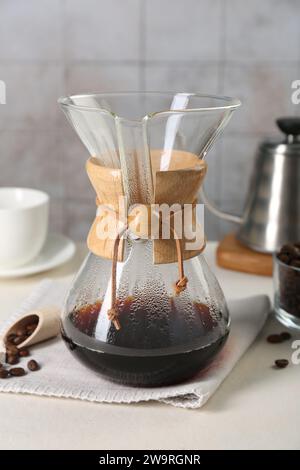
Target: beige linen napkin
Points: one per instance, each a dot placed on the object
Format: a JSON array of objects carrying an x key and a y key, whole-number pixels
[{"x": 61, "y": 375}]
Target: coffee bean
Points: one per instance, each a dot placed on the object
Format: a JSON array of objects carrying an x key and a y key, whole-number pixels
[
  {"x": 21, "y": 332},
  {"x": 290, "y": 250},
  {"x": 19, "y": 339},
  {"x": 11, "y": 349},
  {"x": 12, "y": 360},
  {"x": 274, "y": 339},
  {"x": 24, "y": 352},
  {"x": 295, "y": 263},
  {"x": 285, "y": 336},
  {"x": 3, "y": 374},
  {"x": 17, "y": 371},
  {"x": 283, "y": 258},
  {"x": 11, "y": 337},
  {"x": 289, "y": 279},
  {"x": 30, "y": 328},
  {"x": 281, "y": 363},
  {"x": 33, "y": 365}
]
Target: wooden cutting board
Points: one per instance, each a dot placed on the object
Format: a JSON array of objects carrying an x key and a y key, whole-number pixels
[{"x": 231, "y": 254}]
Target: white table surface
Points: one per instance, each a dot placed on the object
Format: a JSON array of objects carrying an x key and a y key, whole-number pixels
[{"x": 255, "y": 407}]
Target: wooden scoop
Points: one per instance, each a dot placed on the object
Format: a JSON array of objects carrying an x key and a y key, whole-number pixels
[{"x": 47, "y": 326}]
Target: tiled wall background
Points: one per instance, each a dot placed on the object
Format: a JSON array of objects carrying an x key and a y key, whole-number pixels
[{"x": 53, "y": 47}]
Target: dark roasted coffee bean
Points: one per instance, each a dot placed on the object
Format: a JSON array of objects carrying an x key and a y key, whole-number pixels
[
  {"x": 24, "y": 352},
  {"x": 19, "y": 339},
  {"x": 11, "y": 350},
  {"x": 21, "y": 332},
  {"x": 281, "y": 363},
  {"x": 289, "y": 280},
  {"x": 295, "y": 263},
  {"x": 33, "y": 365},
  {"x": 17, "y": 371},
  {"x": 16, "y": 341},
  {"x": 3, "y": 374},
  {"x": 283, "y": 258},
  {"x": 12, "y": 360},
  {"x": 30, "y": 328},
  {"x": 274, "y": 339},
  {"x": 285, "y": 336},
  {"x": 290, "y": 250},
  {"x": 11, "y": 337}
]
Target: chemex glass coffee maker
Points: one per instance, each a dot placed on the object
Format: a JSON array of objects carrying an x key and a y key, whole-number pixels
[{"x": 145, "y": 309}]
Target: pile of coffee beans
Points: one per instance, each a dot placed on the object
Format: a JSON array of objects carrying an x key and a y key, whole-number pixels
[
  {"x": 13, "y": 359},
  {"x": 22, "y": 333},
  {"x": 276, "y": 339},
  {"x": 289, "y": 278},
  {"x": 15, "y": 354},
  {"x": 6, "y": 372}
]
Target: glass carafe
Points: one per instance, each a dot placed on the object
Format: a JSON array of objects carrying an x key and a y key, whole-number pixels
[{"x": 161, "y": 332}]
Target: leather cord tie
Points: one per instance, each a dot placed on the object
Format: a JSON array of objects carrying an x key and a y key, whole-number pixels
[{"x": 179, "y": 286}]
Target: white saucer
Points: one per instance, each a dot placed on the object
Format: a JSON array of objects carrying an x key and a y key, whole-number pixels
[{"x": 57, "y": 250}]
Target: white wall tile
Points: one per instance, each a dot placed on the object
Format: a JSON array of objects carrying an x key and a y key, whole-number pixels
[
  {"x": 265, "y": 92},
  {"x": 211, "y": 226},
  {"x": 74, "y": 155},
  {"x": 102, "y": 29},
  {"x": 183, "y": 30},
  {"x": 202, "y": 78},
  {"x": 213, "y": 176},
  {"x": 237, "y": 164},
  {"x": 32, "y": 91},
  {"x": 30, "y": 30},
  {"x": 82, "y": 78},
  {"x": 56, "y": 216},
  {"x": 78, "y": 218},
  {"x": 262, "y": 30},
  {"x": 32, "y": 159}
]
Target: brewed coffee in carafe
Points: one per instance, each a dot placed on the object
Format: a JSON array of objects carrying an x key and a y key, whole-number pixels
[{"x": 145, "y": 309}]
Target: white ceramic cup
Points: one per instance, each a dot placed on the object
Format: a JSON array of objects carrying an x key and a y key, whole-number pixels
[{"x": 24, "y": 217}]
